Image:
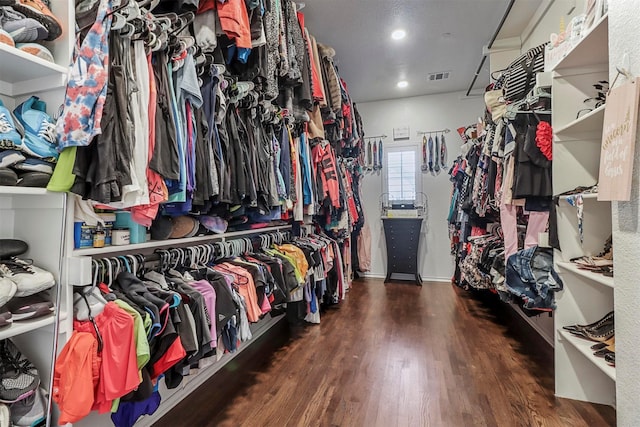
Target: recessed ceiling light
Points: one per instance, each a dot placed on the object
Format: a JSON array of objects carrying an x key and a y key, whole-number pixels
[
  {"x": 398, "y": 34},
  {"x": 402, "y": 84}
]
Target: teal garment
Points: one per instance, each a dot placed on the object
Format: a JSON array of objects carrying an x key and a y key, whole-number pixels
[{"x": 179, "y": 195}]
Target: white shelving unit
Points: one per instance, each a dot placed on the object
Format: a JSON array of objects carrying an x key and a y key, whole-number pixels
[
  {"x": 584, "y": 347},
  {"x": 32, "y": 214},
  {"x": 586, "y": 125},
  {"x": 594, "y": 277},
  {"x": 586, "y": 296}
]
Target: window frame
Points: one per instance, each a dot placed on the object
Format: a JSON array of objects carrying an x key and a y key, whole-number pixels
[{"x": 395, "y": 148}]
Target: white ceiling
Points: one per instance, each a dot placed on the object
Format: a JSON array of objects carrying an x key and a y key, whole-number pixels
[{"x": 442, "y": 35}]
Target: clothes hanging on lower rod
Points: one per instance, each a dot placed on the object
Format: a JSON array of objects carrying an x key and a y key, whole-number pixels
[{"x": 158, "y": 316}]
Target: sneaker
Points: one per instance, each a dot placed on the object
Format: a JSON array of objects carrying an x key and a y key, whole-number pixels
[
  {"x": 18, "y": 377},
  {"x": 5, "y": 319},
  {"x": 20, "y": 28},
  {"x": 36, "y": 49},
  {"x": 10, "y": 135},
  {"x": 39, "y": 129},
  {"x": 33, "y": 179},
  {"x": 5, "y": 416},
  {"x": 39, "y": 11},
  {"x": 28, "y": 278},
  {"x": 6, "y": 38},
  {"x": 9, "y": 158},
  {"x": 8, "y": 177},
  {"x": 34, "y": 165},
  {"x": 30, "y": 307},
  {"x": 7, "y": 290},
  {"x": 31, "y": 411}
]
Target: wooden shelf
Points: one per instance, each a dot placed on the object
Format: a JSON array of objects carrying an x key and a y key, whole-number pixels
[
  {"x": 584, "y": 347},
  {"x": 175, "y": 242},
  {"x": 588, "y": 124},
  {"x": 22, "y": 73},
  {"x": 595, "y": 277},
  {"x": 592, "y": 49}
]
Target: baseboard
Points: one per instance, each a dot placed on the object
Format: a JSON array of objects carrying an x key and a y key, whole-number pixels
[{"x": 424, "y": 278}]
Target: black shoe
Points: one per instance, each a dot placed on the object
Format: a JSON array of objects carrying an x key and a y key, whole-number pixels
[
  {"x": 8, "y": 177},
  {"x": 608, "y": 317},
  {"x": 610, "y": 359},
  {"x": 12, "y": 247},
  {"x": 603, "y": 332}
]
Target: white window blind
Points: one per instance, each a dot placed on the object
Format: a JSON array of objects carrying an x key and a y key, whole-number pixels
[{"x": 401, "y": 175}]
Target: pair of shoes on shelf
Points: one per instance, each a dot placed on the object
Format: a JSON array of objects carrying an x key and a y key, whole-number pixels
[
  {"x": 599, "y": 331},
  {"x": 601, "y": 349},
  {"x": 30, "y": 16},
  {"x": 21, "y": 284},
  {"x": 20, "y": 28},
  {"x": 28, "y": 145},
  {"x": 19, "y": 378},
  {"x": 28, "y": 278}
]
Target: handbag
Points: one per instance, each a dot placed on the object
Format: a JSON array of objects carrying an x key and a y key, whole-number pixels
[{"x": 521, "y": 73}]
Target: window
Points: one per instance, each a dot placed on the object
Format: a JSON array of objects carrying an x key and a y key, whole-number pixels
[{"x": 402, "y": 183}]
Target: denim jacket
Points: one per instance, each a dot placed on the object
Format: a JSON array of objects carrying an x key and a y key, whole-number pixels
[{"x": 530, "y": 276}]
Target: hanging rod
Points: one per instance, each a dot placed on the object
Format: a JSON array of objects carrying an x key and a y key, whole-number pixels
[
  {"x": 376, "y": 137},
  {"x": 430, "y": 132}
]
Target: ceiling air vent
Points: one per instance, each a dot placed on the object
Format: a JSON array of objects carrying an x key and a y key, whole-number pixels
[{"x": 441, "y": 75}]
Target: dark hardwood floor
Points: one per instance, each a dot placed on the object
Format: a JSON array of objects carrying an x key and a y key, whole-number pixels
[{"x": 392, "y": 355}]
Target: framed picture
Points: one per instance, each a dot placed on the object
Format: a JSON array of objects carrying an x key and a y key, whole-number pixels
[{"x": 401, "y": 132}]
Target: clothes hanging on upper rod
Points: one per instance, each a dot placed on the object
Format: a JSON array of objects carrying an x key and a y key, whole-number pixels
[{"x": 206, "y": 126}]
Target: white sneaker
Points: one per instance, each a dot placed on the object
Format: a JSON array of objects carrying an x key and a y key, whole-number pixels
[
  {"x": 28, "y": 278},
  {"x": 7, "y": 290},
  {"x": 5, "y": 416}
]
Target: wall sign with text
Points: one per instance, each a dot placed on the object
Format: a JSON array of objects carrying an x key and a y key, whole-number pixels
[{"x": 618, "y": 142}]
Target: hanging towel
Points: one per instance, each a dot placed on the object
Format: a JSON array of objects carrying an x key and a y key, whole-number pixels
[
  {"x": 443, "y": 152},
  {"x": 424, "y": 166},
  {"x": 375, "y": 156},
  {"x": 430, "y": 143},
  {"x": 436, "y": 160}
]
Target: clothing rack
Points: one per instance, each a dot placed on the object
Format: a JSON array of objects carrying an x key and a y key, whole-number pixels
[
  {"x": 107, "y": 268},
  {"x": 376, "y": 137},
  {"x": 431, "y": 132}
]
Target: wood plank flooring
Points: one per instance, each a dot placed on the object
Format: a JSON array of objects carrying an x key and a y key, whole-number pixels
[{"x": 392, "y": 355}]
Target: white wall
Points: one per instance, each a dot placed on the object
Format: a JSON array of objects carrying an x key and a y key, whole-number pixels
[
  {"x": 423, "y": 113},
  {"x": 624, "y": 37}
]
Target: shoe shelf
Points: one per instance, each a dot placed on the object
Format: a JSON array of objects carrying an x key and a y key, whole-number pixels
[
  {"x": 588, "y": 125},
  {"x": 592, "y": 49},
  {"x": 174, "y": 242},
  {"x": 23, "y": 326},
  {"x": 584, "y": 347},
  {"x": 27, "y": 191},
  {"x": 595, "y": 277},
  {"x": 587, "y": 196},
  {"x": 23, "y": 73}
]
